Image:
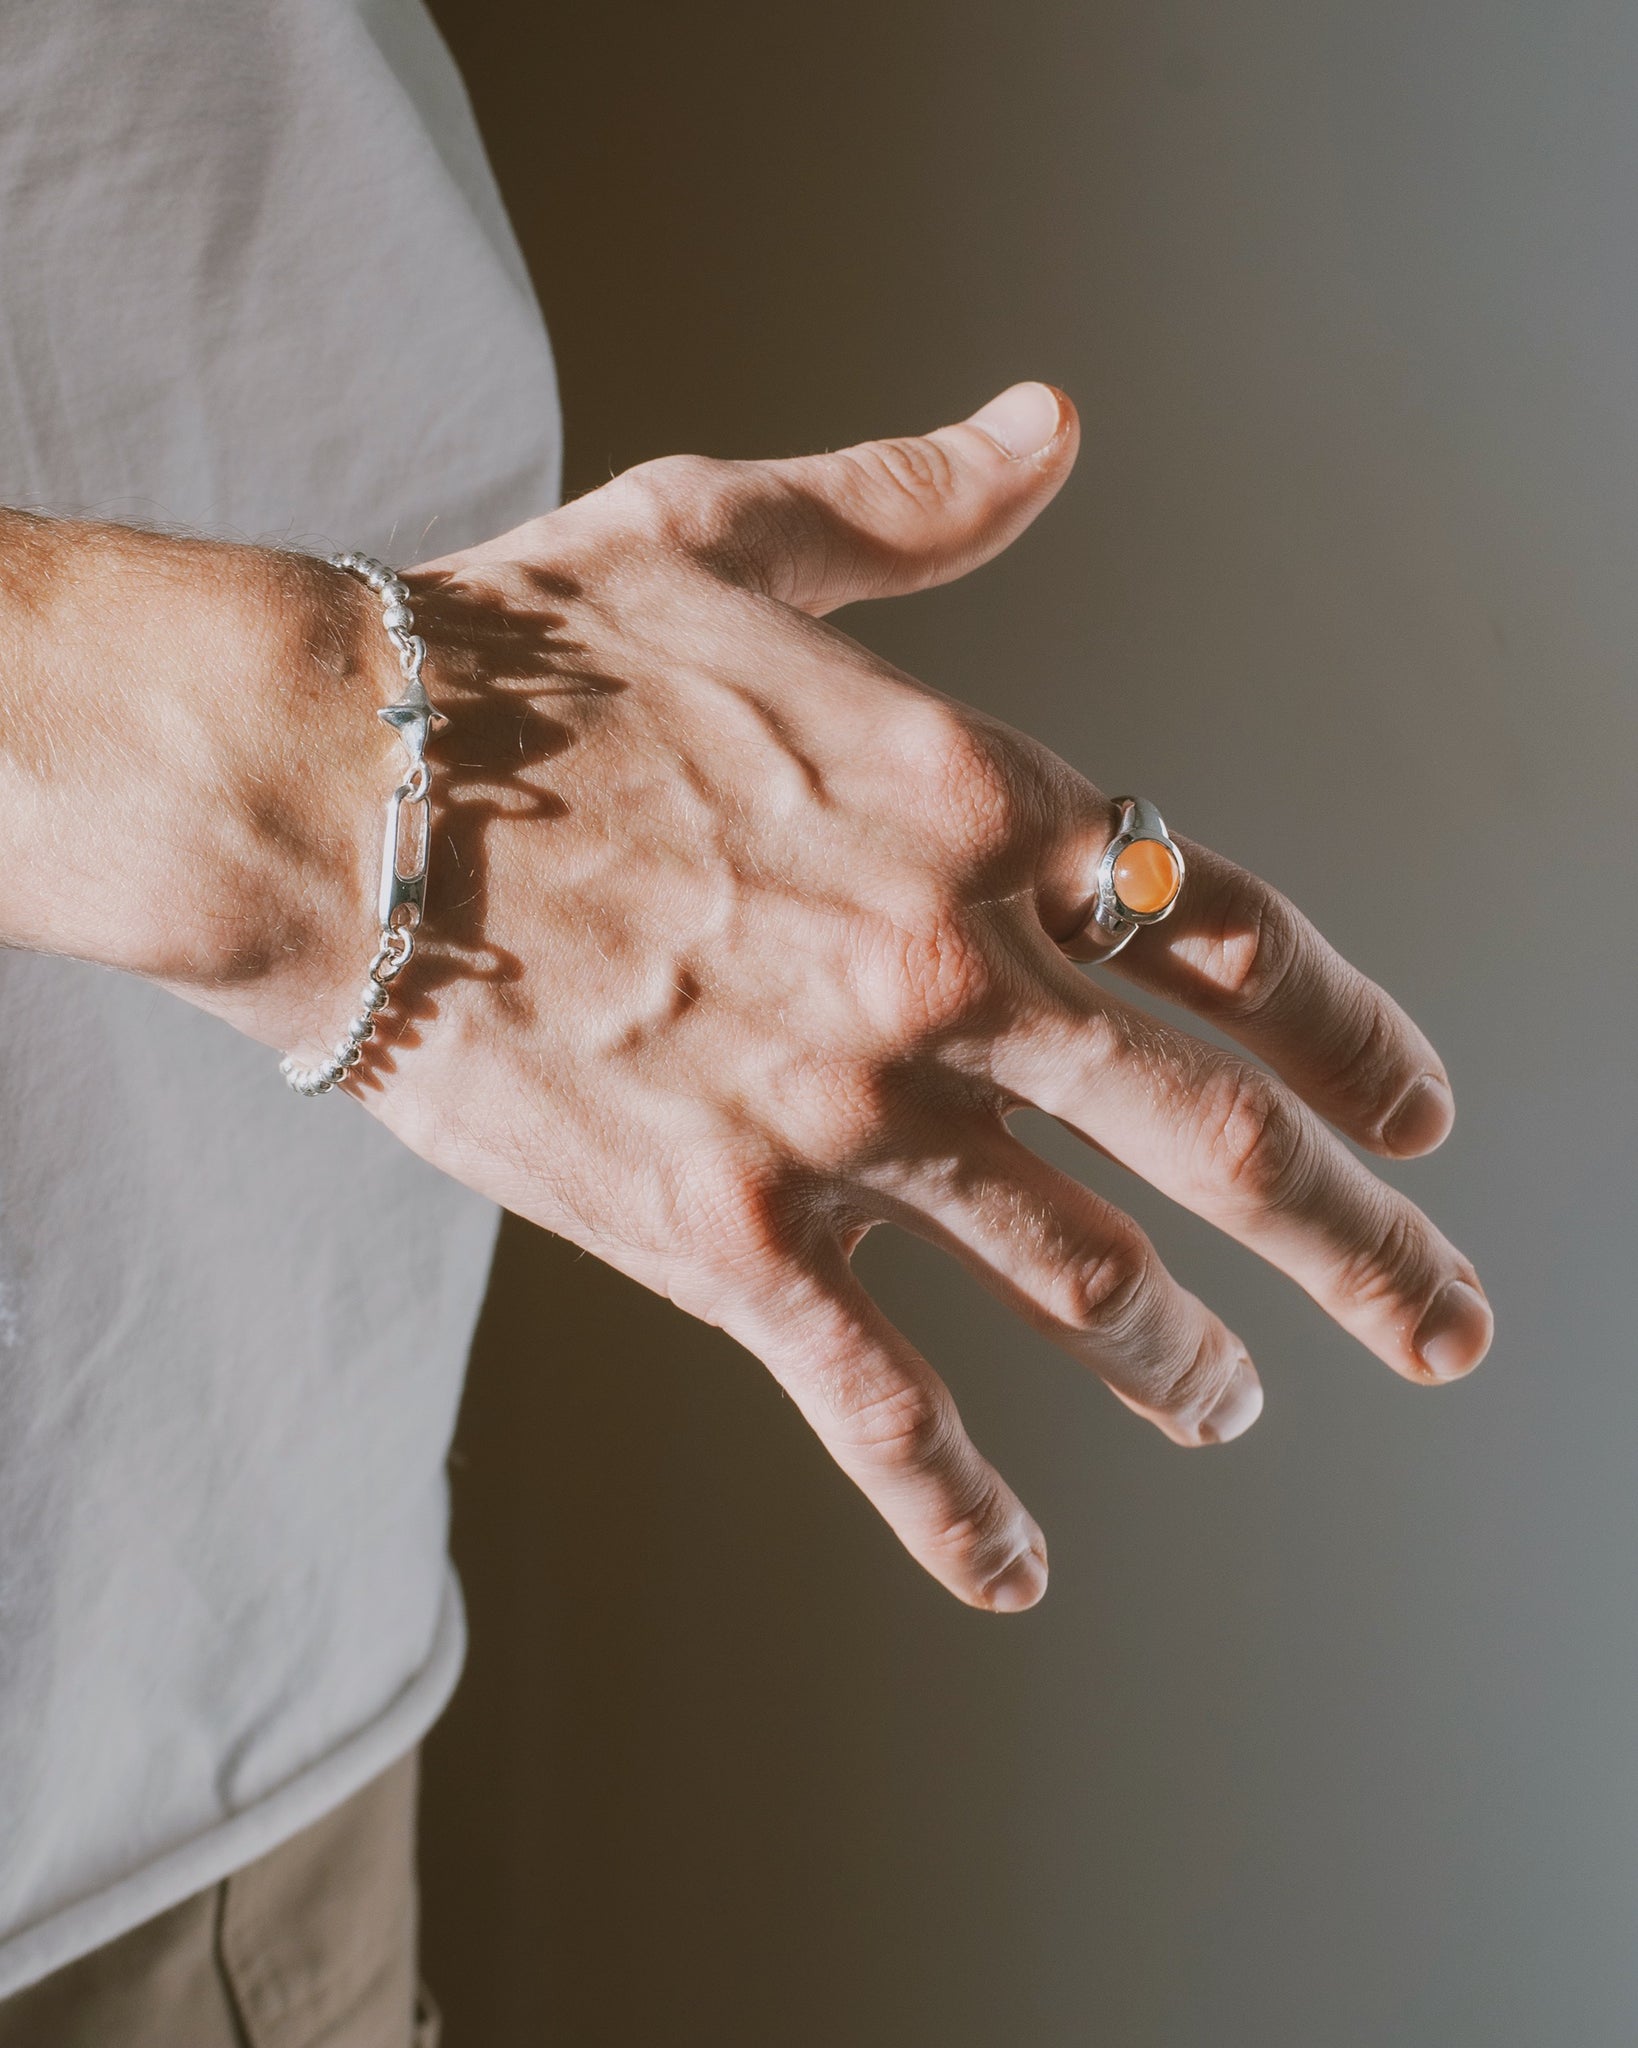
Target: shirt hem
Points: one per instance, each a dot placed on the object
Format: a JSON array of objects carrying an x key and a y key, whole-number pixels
[{"x": 74, "y": 1931}]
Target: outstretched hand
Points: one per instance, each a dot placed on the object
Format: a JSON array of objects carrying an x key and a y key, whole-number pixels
[{"x": 741, "y": 942}]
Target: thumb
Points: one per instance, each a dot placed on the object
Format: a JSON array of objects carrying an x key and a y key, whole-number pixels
[{"x": 891, "y": 517}]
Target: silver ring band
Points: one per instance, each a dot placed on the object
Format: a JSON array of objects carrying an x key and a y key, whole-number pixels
[{"x": 1139, "y": 878}]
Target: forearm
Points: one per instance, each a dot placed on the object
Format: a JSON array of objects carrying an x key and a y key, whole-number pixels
[
  {"x": 190, "y": 767},
  {"x": 747, "y": 941}
]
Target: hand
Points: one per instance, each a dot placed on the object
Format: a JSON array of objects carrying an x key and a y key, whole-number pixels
[
  {"x": 741, "y": 942},
  {"x": 745, "y": 942}
]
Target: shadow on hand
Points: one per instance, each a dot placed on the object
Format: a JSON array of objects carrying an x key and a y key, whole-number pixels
[{"x": 515, "y": 684}]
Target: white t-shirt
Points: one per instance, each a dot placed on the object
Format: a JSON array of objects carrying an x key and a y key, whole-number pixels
[{"x": 255, "y": 280}]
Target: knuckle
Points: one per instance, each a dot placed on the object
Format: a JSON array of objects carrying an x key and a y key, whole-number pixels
[
  {"x": 1259, "y": 949},
  {"x": 917, "y": 469},
  {"x": 1252, "y": 1135},
  {"x": 908, "y": 1425},
  {"x": 970, "y": 790},
  {"x": 977, "y": 1532},
  {"x": 1189, "y": 1383},
  {"x": 746, "y": 1212},
  {"x": 1103, "y": 1295},
  {"x": 683, "y": 501},
  {"x": 1372, "y": 1065},
  {"x": 1268, "y": 957},
  {"x": 929, "y": 741},
  {"x": 939, "y": 979},
  {"x": 1389, "y": 1265},
  {"x": 910, "y": 1430}
]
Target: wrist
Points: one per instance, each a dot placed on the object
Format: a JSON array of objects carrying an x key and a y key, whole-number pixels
[{"x": 191, "y": 770}]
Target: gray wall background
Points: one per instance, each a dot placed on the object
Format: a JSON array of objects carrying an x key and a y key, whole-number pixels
[{"x": 1332, "y": 1737}]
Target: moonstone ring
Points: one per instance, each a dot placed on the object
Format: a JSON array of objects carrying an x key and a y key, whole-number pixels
[{"x": 1139, "y": 876}]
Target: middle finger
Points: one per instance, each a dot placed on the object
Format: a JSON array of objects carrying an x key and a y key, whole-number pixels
[
  {"x": 1078, "y": 1270},
  {"x": 1229, "y": 1141}
]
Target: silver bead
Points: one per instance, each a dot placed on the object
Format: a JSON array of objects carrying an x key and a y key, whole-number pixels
[
  {"x": 375, "y": 996},
  {"x": 363, "y": 1027},
  {"x": 397, "y": 618},
  {"x": 395, "y": 590}
]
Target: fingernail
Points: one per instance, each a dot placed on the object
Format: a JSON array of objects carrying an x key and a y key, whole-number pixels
[
  {"x": 1422, "y": 1119},
  {"x": 1021, "y": 421},
  {"x": 1019, "y": 1586},
  {"x": 1237, "y": 1406},
  {"x": 1455, "y": 1332}
]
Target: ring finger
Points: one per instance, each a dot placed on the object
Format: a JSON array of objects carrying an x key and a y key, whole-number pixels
[
  {"x": 1244, "y": 958},
  {"x": 1234, "y": 1144}
]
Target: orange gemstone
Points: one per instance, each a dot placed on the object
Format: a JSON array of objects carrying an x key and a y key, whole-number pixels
[{"x": 1146, "y": 876}]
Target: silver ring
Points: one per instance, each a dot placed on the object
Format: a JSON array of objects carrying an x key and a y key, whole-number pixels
[{"x": 1135, "y": 888}]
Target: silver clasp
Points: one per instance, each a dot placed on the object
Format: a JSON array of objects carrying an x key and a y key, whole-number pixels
[{"x": 404, "y": 852}]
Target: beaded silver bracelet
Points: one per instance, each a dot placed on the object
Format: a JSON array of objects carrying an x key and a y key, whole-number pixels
[{"x": 403, "y": 892}]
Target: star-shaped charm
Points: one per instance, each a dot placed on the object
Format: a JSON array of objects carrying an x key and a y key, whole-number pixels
[{"x": 414, "y": 718}]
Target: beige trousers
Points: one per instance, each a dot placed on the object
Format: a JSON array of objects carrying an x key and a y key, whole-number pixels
[{"x": 312, "y": 1946}]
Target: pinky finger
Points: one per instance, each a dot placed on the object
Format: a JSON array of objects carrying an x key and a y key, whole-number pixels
[{"x": 891, "y": 1424}]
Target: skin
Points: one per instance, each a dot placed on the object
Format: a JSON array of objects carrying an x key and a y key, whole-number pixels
[{"x": 742, "y": 942}]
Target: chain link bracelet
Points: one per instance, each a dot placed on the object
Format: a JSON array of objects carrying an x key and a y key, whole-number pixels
[{"x": 402, "y": 897}]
